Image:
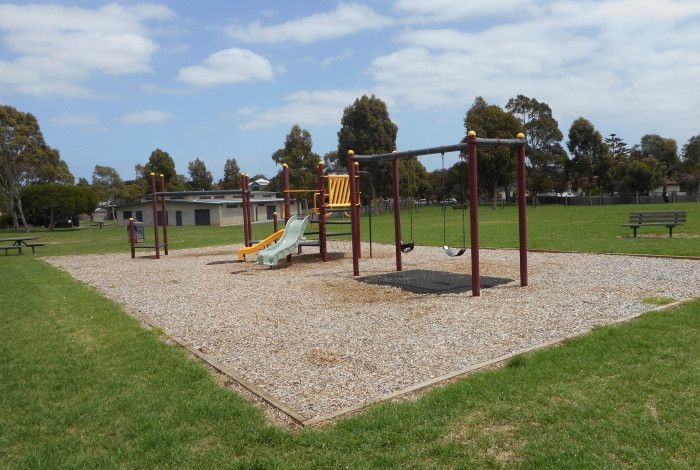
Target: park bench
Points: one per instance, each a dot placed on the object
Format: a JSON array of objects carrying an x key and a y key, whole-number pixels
[
  {"x": 668, "y": 219},
  {"x": 34, "y": 245},
  {"x": 12, "y": 247}
]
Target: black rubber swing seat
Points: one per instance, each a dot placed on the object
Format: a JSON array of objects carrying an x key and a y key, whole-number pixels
[
  {"x": 407, "y": 247},
  {"x": 452, "y": 253}
]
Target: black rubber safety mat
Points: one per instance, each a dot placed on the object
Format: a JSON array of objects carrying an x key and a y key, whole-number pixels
[{"x": 424, "y": 281}]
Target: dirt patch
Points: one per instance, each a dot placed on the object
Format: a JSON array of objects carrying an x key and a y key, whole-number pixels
[{"x": 657, "y": 236}]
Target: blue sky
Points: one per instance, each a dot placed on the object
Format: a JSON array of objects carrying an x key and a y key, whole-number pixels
[{"x": 110, "y": 82}]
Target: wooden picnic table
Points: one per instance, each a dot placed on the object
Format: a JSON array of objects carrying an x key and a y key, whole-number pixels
[{"x": 18, "y": 243}]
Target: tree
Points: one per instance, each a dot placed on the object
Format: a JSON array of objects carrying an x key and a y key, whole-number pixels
[
  {"x": 413, "y": 178},
  {"x": 618, "y": 147},
  {"x": 366, "y": 128},
  {"x": 496, "y": 165},
  {"x": 331, "y": 162},
  {"x": 232, "y": 175},
  {"x": 132, "y": 193},
  {"x": 591, "y": 165},
  {"x": 160, "y": 162},
  {"x": 298, "y": 155},
  {"x": 691, "y": 162},
  {"x": 546, "y": 156},
  {"x": 641, "y": 175},
  {"x": 25, "y": 158},
  {"x": 200, "y": 177},
  {"x": 108, "y": 186},
  {"x": 665, "y": 152},
  {"x": 51, "y": 203}
]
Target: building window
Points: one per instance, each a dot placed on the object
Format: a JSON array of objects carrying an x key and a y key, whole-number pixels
[
  {"x": 204, "y": 197},
  {"x": 219, "y": 197},
  {"x": 176, "y": 197},
  {"x": 127, "y": 215},
  {"x": 232, "y": 206}
]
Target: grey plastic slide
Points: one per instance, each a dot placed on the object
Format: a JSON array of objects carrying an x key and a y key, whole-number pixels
[{"x": 293, "y": 234}]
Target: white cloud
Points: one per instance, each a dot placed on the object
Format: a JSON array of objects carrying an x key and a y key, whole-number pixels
[
  {"x": 347, "y": 18},
  {"x": 322, "y": 107},
  {"x": 228, "y": 66},
  {"x": 450, "y": 10},
  {"x": 146, "y": 117},
  {"x": 57, "y": 47},
  {"x": 611, "y": 59},
  {"x": 328, "y": 61},
  {"x": 75, "y": 119}
]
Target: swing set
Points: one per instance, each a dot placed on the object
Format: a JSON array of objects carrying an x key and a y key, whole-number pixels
[
  {"x": 407, "y": 247},
  {"x": 473, "y": 142},
  {"x": 452, "y": 253}
]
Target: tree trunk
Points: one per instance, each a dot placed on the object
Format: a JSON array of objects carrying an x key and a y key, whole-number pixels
[
  {"x": 18, "y": 199},
  {"x": 663, "y": 193},
  {"x": 15, "y": 222},
  {"x": 52, "y": 221},
  {"x": 590, "y": 197},
  {"x": 495, "y": 195}
]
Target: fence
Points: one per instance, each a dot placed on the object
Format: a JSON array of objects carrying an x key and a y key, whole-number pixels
[{"x": 617, "y": 198}]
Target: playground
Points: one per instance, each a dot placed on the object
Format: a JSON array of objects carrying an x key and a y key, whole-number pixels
[
  {"x": 322, "y": 343},
  {"x": 315, "y": 337}
]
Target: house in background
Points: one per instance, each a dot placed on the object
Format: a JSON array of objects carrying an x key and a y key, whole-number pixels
[
  {"x": 259, "y": 184},
  {"x": 672, "y": 186},
  {"x": 203, "y": 208}
]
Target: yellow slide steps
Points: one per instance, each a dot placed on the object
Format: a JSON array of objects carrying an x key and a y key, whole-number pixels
[{"x": 260, "y": 245}]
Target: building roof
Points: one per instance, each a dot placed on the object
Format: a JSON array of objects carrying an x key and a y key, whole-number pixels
[{"x": 207, "y": 202}]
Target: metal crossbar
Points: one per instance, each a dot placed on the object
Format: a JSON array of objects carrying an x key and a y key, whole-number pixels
[{"x": 462, "y": 146}]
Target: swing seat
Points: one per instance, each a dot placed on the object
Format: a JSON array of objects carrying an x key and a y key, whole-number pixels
[
  {"x": 407, "y": 247},
  {"x": 451, "y": 253}
]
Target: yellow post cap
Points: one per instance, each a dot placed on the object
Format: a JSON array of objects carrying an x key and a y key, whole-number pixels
[
  {"x": 320, "y": 163},
  {"x": 153, "y": 174},
  {"x": 521, "y": 135},
  {"x": 285, "y": 165},
  {"x": 351, "y": 152},
  {"x": 357, "y": 163},
  {"x": 131, "y": 219},
  {"x": 162, "y": 174},
  {"x": 472, "y": 134}
]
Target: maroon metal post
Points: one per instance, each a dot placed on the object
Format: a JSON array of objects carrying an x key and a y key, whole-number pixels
[
  {"x": 397, "y": 211},
  {"x": 154, "y": 205},
  {"x": 353, "y": 215},
  {"x": 285, "y": 194},
  {"x": 131, "y": 237},
  {"x": 474, "y": 215},
  {"x": 249, "y": 205},
  {"x": 245, "y": 205},
  {"x": 522, "y": 212},
  {"x": 358, "y": 207},
  {"x": 287, "y": 202},
  {"x": 164, "y": 211},
  {"x": 322, "y": 239},
  {"x": 274, "y": 222}
]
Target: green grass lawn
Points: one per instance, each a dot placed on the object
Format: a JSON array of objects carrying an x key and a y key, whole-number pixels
[
  {"x": 82, "y": 384},
  {"x": 573, "y": 228},
  {"x": 551, "y": 227}
]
